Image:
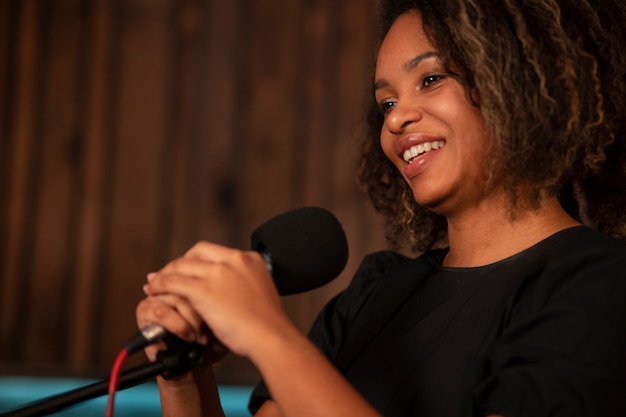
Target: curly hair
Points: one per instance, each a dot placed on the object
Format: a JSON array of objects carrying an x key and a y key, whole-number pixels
[{"x": 550, "y": 77}]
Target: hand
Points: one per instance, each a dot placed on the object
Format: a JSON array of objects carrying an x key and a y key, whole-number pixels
[
  {"x": 231, "y": 291},
  {"x": 179, "y": 318},
  {"x": 191, "y": 393}
]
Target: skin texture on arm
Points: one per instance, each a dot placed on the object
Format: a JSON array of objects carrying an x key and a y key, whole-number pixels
[
  {"x": 193, "y": 394},
  {"x": 302, "y": 381}
]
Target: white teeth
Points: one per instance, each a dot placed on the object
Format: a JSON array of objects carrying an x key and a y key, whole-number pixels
[{"x": 422, "y": 148}]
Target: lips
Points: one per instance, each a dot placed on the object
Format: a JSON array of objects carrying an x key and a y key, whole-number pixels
[
  {"x": 411, "y": 146},
  {"x": 420, "y": 149},
  {"x": 417, "y": 151}
]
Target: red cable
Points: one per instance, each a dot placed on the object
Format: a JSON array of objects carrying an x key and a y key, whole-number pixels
[{"x": 114, "y": 379}]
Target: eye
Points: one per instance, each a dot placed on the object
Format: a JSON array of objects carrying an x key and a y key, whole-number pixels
[
  {"x": 431, "y": 79},
  {"x": 386, "y": 106}
]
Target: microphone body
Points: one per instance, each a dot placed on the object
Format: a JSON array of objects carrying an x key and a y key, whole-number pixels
[{"x": 303, "y": 249}]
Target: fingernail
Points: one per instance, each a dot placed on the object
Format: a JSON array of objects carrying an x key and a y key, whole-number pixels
[
  {"x": 203, "y": 339},
  {"x": 151, "y": 276},
  {"x": 145, "y": 289}
]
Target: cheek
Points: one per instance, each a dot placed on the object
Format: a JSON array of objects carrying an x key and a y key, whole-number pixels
[{"x": 386, "y": 143}]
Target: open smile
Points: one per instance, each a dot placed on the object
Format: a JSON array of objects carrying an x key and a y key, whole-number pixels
[{"x": 418, "y": 150}]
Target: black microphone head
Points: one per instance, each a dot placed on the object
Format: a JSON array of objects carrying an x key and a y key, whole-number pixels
[{"x": 307, "y": 248}]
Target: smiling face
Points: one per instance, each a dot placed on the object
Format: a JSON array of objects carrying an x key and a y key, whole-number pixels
[{"x": 431, "y": 132}]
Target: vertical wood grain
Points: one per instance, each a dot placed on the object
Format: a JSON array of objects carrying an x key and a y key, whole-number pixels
[
  {"x": 138, "y": 140},
  {"x": 133, "y": 128},
  {"x": 59, "y": 145},
  {"x": 21, "y": 152},
  {"x": 93, "y": 172}
]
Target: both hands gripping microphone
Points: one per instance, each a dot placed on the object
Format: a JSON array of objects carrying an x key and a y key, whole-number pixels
[{"x": 303, "y": 249}]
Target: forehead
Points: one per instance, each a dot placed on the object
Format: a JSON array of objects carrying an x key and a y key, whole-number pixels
[{"x": 404, "y": 40}]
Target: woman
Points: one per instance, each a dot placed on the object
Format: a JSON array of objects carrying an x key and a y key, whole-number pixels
[{"x": 497, "y": 133}]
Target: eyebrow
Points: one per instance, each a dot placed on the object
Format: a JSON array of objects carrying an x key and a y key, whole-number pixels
[{"x": 408, "y": 66}]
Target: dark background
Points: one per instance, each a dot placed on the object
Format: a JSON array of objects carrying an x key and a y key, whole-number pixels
[{"x": 130, "y": 129}]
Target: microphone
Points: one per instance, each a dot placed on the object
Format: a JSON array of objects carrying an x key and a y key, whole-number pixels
[{"x": 303, "y": 249}]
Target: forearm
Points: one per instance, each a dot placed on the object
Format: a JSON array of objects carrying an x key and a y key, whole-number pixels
[
  {"x": 303, "y": 382},
  {"x": 193, "y": 395}
]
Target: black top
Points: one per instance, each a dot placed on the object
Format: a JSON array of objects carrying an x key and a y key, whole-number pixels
[{"x": 542, "y": 333}]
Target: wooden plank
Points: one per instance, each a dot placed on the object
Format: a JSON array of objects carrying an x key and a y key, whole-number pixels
[
  {"x": 7, "y": 49},
  {"x": 176, "y": 224},
  {"x": 14, "y": 280},
  {"x": 98, "y": 64},
  {"x": 199, "y": 139},
  {"x": 59, "y": 151},
  {"x": 218, "y": 122},
  {"x": 138, "y": 136}
]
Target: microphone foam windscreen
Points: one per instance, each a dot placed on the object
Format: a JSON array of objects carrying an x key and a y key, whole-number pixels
[{"x": 307, "y": 248}]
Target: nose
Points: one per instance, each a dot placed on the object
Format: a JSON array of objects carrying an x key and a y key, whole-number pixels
[{"x": 401, "y": 116}]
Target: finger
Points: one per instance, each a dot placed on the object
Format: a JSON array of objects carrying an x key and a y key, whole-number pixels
[
  {"x": 188, "y": 313},
  {"x": 194, "y": 278},
  {"x": 190, "y": 266},
  {"x": 210, "y": 252},
  {"x": 202, "y": 258},
  {"x": 171, "y": 282},
  {"x": 154, "y": 310}
]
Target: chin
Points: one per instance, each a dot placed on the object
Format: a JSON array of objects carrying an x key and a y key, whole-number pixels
[{"x": 437, "y": 206}]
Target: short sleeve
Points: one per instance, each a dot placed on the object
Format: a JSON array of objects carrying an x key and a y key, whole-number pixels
[{"x": 562, "y": 348}]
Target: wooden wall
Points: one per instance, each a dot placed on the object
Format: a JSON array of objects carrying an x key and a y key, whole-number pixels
[{"x": 132, "y": 128}]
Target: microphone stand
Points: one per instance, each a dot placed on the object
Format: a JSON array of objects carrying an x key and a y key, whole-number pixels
[{"x": 179, "y": 358}]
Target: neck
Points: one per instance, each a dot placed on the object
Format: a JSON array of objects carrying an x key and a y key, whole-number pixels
[{"x": 479, "y": 237}]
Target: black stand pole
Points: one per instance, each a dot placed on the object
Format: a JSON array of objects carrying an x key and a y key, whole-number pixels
[{"x": 179, "y": 358}]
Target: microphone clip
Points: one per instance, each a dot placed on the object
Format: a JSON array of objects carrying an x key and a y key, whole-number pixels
[{"x": 180, "y": 357}]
